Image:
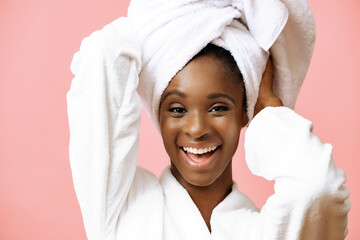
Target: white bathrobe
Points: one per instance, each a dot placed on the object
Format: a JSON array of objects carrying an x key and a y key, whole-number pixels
[{"x": 119, "y": 200}]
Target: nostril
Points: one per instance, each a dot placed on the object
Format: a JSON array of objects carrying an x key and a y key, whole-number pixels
[
  {"x": 197, "y": 133},
  {"x": 197, "y": 127}
]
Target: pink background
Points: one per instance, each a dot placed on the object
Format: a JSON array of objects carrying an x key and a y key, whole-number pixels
[{"x": 37, "y": 41}]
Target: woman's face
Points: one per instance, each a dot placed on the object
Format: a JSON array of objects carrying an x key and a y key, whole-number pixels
[{"x": 201, "y": 115}]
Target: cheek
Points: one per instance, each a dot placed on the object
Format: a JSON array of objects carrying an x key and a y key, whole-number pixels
[
  {"x": 229, "y": 128},
  {"x": 170, "y": 128},
  {"x": 229, "y": 124}
]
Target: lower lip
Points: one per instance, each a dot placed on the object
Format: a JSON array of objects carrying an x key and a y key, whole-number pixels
[{"x": 203, "y": 163}]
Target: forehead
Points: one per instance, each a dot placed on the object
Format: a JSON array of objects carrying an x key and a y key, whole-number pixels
[{"x": 205, "y": 74}]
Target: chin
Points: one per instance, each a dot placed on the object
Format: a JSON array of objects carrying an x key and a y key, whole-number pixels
[
  {"x": 204, "y": 178},
  {"x": 200, "y": 180}
]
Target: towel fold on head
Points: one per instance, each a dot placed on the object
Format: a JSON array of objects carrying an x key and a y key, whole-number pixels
[{"x": 172, "y": 32}]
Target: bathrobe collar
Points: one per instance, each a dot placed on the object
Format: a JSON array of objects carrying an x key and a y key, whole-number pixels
[{"x": 186, "y": 214}]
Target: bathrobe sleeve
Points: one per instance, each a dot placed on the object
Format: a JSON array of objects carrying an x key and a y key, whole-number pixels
[
  {"x": 310, "y": 200},
  {"x": 104, "y": 118}
]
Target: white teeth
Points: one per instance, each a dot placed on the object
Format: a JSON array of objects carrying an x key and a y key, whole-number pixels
[{"x": 199, "y": 150}]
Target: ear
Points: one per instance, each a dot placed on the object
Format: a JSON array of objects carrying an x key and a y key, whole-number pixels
[{"x": 244, "y": 119}]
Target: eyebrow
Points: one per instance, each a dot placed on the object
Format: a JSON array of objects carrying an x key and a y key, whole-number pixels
[
  {"x": 173, "y": 92},
  {"x": 220, "y": 95},
  {"x": 210, "y": 96}
]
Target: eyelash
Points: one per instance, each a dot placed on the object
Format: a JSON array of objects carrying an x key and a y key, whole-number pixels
[
  {"x": 220, "y": 108},
  {"x": 179, "y": 111}
]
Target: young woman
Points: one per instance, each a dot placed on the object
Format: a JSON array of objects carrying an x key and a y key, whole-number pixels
[{"x": 201, "y": 113}]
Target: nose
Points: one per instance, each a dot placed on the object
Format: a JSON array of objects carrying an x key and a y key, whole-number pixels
[{"x": 197, "y": 125}]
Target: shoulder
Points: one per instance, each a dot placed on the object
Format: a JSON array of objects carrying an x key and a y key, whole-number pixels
[{"x": 145, "y": 183}]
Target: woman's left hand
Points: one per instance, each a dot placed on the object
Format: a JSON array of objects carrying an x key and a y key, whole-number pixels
[{"x": 267, "y": 97}]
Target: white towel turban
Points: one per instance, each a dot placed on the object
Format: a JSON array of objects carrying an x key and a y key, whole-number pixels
[{"x": 172, "y": 32}]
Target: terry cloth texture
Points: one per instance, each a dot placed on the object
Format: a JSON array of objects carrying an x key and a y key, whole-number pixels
[
  {"x": 170, "y": 33},
  {"x": 120, "y": 200}
]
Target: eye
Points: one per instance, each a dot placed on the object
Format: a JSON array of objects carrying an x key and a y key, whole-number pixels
[
  {"x": 177, "y": 111},
  {"x": 219, "y": 108}
]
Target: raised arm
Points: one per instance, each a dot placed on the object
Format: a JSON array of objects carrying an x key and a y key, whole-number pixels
[
  {"x": 104, "y": 118},
  {"x": 310, "y": 201}
]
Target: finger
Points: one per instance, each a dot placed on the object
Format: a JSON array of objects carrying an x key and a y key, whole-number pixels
[
  {"x": 269, "y": 67},
  {"x": 268, "y": 76}
]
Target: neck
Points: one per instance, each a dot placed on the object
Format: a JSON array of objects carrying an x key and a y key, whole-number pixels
[{"x": 206, "y": 198}]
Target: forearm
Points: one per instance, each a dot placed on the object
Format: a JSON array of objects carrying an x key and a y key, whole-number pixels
[
  {"x": 310, "y": 201},
  {"x": 104, "y": 118}
]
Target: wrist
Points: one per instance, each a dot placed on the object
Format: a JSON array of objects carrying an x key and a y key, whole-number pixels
[{"x": 268, "y": 102}]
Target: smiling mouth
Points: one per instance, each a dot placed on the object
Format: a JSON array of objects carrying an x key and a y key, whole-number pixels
[
  {"x": 199, "y": 151},
  {"x": 200, "y": 156}
]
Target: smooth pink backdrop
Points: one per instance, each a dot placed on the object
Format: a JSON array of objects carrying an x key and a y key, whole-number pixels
[{"x": 37, "y": 41}]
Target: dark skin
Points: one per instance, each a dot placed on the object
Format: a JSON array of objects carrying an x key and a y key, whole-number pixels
[
  {"x": 267, "y": 97},
  {"x": 202, "y": 109}
]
